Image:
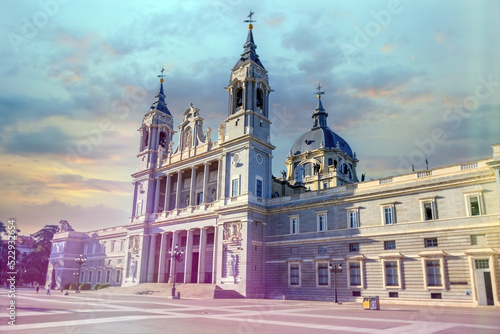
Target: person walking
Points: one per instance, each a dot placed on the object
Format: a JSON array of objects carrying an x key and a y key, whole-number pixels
[
  {"x": 37, "y": 287},
  {"x": 48, "y": 289}
]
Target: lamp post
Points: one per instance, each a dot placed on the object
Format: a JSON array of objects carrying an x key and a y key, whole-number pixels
[
  {"x": 177, "y": 256},
  {"x": 335, "y": 268},
  {"x": 80, "y": 261}
]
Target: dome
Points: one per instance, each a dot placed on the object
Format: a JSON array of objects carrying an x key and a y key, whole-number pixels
[{"x": 320, "y": 137}]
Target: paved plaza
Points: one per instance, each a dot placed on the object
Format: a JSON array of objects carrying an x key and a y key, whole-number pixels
[{"x": 94, "y": 312}]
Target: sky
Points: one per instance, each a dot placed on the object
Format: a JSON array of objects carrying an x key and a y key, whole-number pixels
[{"x": 404, "y": 81}]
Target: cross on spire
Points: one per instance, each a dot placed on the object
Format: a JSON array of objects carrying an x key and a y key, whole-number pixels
[
  {"x": 161, "y": 75},
  {"x": 250, "y": 16},
  {"x": 319, "y": 92}
]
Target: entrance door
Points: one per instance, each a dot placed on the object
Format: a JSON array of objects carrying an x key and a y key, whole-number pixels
[
  {"x": 194, "y": 268},
  {"x": 483, "y": 279}
]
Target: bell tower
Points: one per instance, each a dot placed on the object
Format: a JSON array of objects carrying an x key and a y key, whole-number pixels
[
  {"x": 248, "y": 107},
  {"x": 155, "y": 142},
  {"x": 246, "y": 130}
]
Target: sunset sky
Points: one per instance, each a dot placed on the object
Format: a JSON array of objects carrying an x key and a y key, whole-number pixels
[{"x": 403, "y": 81}]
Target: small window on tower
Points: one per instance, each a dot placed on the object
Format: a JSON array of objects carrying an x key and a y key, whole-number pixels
[
  {"x": 260, "y": 100},
  {"x": 239, "y": 97}
]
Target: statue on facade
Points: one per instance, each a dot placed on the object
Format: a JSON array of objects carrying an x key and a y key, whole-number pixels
[
  {"x": 65, "y": 226},
  {"x": 170, "y": 148},
  {"x": 208, "y": 135},
  {"x": 222, "y": 127},
  {"x": 214, "y": 195},
  {"x": 187, "y": 201},
  {"x": 283, "y": 174},
  {"x": 231, "y": 265}
]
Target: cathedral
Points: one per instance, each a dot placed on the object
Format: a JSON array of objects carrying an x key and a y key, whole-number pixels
[{"x": 317, "y": 232}]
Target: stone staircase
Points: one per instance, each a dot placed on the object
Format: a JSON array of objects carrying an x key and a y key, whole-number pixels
[
  {"x": 202, "y": 291},
  {"x": 220, "y": 293}
]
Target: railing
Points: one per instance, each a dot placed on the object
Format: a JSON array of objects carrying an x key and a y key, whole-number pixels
[
  {"x": 424, "y": 173},
  {"x": 384, "y": 181},
  {"x": 470, "y": 165}
]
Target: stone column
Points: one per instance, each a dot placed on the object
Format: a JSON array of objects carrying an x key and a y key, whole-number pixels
[
  {"x": 151, "y": 262},
  {"x": 163, "y": 258},
  {"x": 217, "y": 256},
  {"x": 202, "y": 255},
  {"x": 188, "y": 255},
  {"x": 175, "y": 240},
  {"x": 178, "y": 194},
  {"x": 192, "y": 192},
  {"x": 205, "y": 182},
  {"x": 222, "y": 177},
  {"x": 157, "y": 195},
  {"x": 167, "y": 192}
]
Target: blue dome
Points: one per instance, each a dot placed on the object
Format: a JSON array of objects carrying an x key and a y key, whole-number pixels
[{"x": 320, "y": 137}]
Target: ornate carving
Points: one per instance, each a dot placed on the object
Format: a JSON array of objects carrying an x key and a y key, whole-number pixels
[
  {"x": 133, "y": 244},
  {"x": 232, "y": 231}
]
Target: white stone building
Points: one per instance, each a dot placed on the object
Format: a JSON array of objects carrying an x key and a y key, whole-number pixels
[{"x": 430, "y": 236}]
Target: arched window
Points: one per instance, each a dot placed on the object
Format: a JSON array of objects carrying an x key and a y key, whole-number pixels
[
  {"x": 239, "y": 97},
  {"x": 330, "y": 161},
  {"x": 260, "y": 99},
  {"x": 163, "y": 139}
]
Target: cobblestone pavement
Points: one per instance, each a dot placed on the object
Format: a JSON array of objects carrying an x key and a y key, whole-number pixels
[{"x": 94, "y": 312}]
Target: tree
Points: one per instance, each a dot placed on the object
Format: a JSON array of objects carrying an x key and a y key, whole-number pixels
[{"x": 38, "y": 260}]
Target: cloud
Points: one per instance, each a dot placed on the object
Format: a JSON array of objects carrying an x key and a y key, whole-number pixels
[
  {"x": 82, "y": 218},
  {"x": 48, "y": 140}
]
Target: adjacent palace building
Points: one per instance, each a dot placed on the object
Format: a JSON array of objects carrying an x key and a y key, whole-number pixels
[{"x": 426, "y": 237}]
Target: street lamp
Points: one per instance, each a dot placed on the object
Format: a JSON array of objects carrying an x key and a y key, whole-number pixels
[
  {"x": 80, "y": 261},
  {"x": 335, "y": 268},
  {"x": 177, "y": 256}
]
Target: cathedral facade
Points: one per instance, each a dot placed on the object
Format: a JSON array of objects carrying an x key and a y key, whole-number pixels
[{"x": 317, "y": 231}]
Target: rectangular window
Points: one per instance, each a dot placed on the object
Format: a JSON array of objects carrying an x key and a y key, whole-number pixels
[
  {"x": 431, "y": 242},
  {"x": 322, "y": 249},
  {"x": 474, "y": 206},
  {"x": 436, "y": 295},
  {"x": 90, "y": 276},
  {"x": 294, "y": 225},
  {"x": 210, "y": 238},
  {"x": 108, "y": 275},
  {"x": 259, "y": 188},
  {"x": 388, "y": 216},
  {"x": 478, "y": 239},
  {"x": 391, "y": 273},
  {"x": 118, "y": 276},
  {"x": 482, "y": 263},
  {"x": 323, "y": 278},
  {"x": 235, "y": 188},
  {"x": 433, "y": 271},
  {"x": 428, "y": 211},
  {"x": 393, "y": 295},
  {"x": 294, "y": 274},
  {"x": 354, "y": 247},
  {"x": 355, "y": 273},
  {"x": 122, "y": 243},
  {"x": 199, "y": 199},
  {"x": 98, "y": 276},
  {"x": 390, "y": 244},
  {"x": 112, "y": 246},
  {"x": 321, "y": 219},
  {"x": 353, "y": 219}
]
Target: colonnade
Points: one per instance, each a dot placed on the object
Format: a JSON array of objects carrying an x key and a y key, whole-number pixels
[
  {"x": 204, "y": 191},
  {"x": 199, "y": 264}
]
